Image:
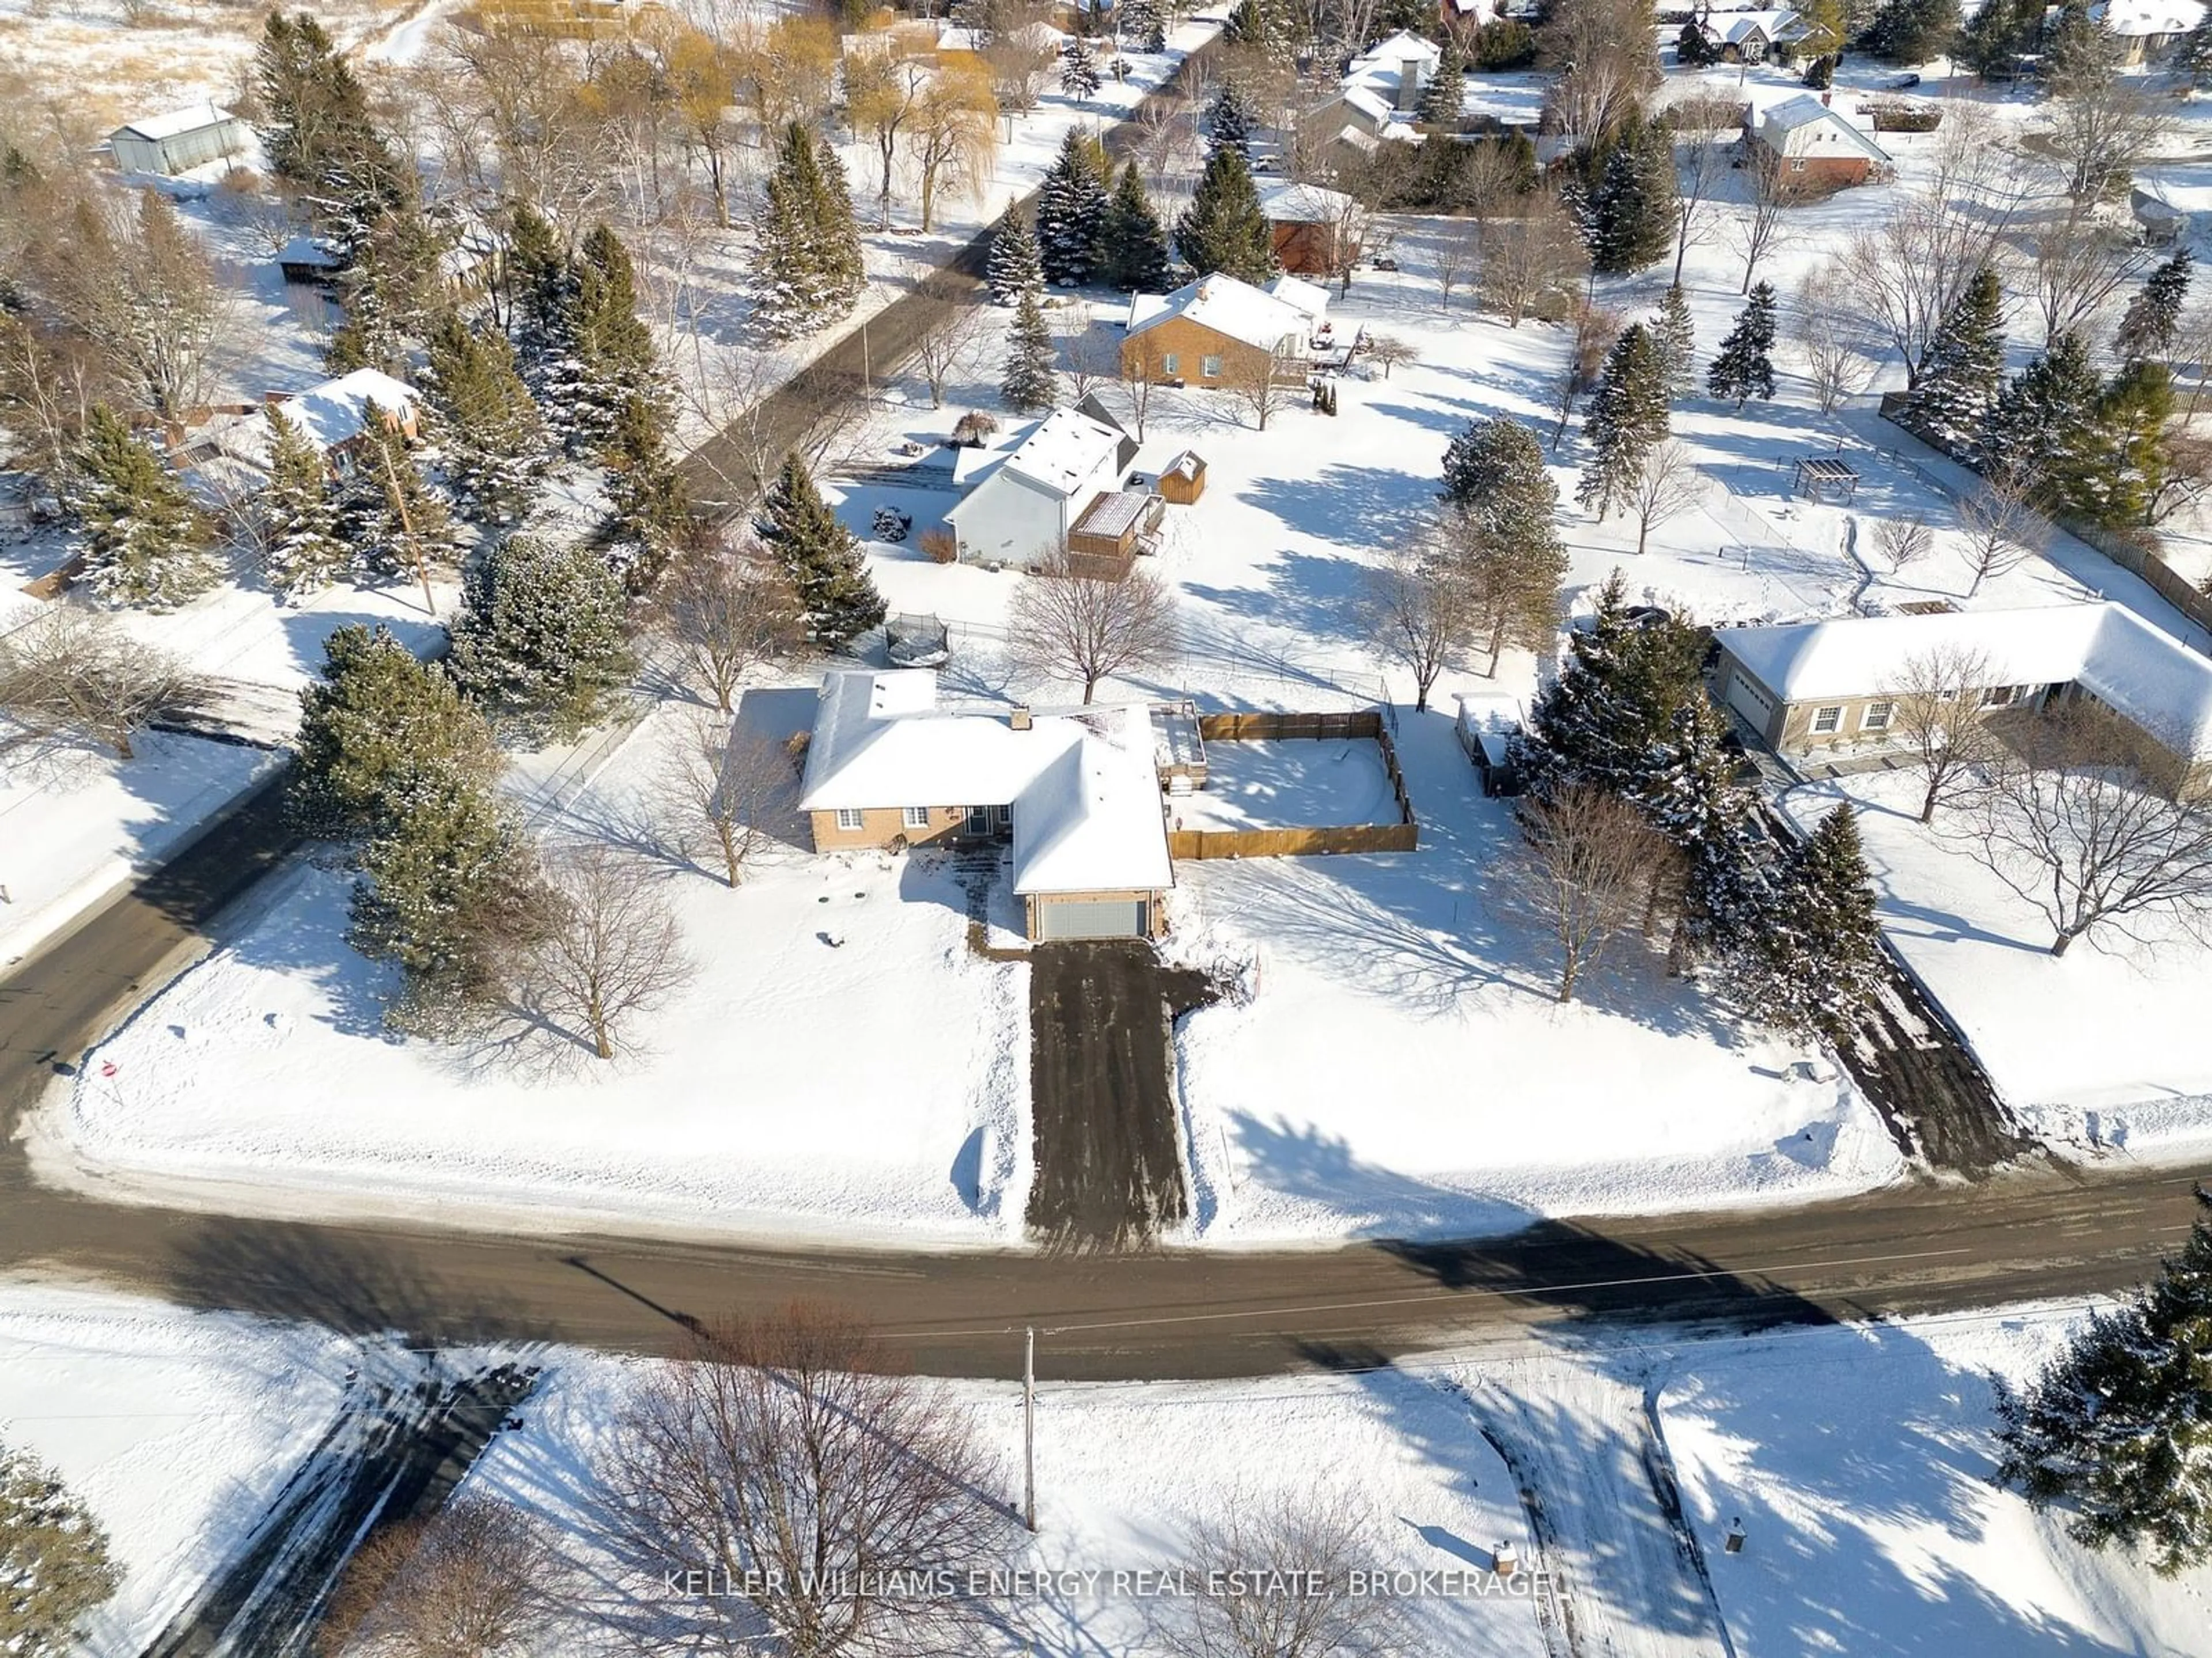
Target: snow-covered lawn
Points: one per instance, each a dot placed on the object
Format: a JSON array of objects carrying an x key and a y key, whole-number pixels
[
  {"x": 1858, "y": 1461},
  {"x": 74, "y": 827},
  {"x": 2102, "y": 1047},
  {"x": 841, "y": 1066},
  {"x": 175, "y": 1428},
  {"x": 1297, "y": 782},
  {"x": 1124, "y": 1472},
  {"x": 1403, "y": 1067}
]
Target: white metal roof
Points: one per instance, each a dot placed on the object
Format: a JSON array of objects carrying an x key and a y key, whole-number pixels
[
  {"x": 178, "y": 122},
  {"x": 1081, "y": 786},
  {"x": 1233, "y": 309},
  {"x": 2106, "y": 648},
  {"x": 1395, "y": 50}
]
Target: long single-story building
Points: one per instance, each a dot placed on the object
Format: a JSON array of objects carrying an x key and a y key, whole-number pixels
[
  {"x": 1826, "y": 687},
  {"x": 1078, "y": 791},
  {"x": 178, "y": 141}
]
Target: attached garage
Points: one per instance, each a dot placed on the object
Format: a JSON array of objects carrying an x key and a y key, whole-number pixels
[
  {"x": 1064, "y": 916},
  {"x": 1750, "y": 700}
]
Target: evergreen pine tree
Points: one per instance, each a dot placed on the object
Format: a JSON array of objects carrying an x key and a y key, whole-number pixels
[
  {"x": 1812, "y": 962},
  {"x": 299, "y": 518},
  {"x": 1911, "y": 31},
  {"x": 2133, "y": 417},
  {"x": 806, "y": 265},
  {"x": 2003, "y": 33},
  {"x": 1949, "y": 402},
  {"x": 1228, "y": 118},
  {"x": 2193, "y": 56},
  {"x": 2044, "y": 426},
  {"x": 1494, "y": 469},
  {"x": 144, "y": 541},
  {"x": 1628, "y": 212},
  {"x": 1143, "y": 22},
  {"x": 1133, "y": 244},
  {"x": 1744, "y": 367},
  {"x": 1678, "y": 340},
  {"x": 541, "y": 283},
  {"x": 650, "y": 507},
  {"x": 1223, "y": 228},
  {"x": 399, "y": 527},
  {"x": 54, "y": 1561},
  {"x": 541, "y": 641},
  {"x": 2080, "y": 54},
  {"x": 2153, "y": 315},
  {"x": 612, "y": 359},
  {"x": 377, "y": 716},
  {"x": 1627, "y": 415},
  {"x": 1693, "y": 48},
  {"x": 2118, "y": 1428},
  {"x": 318, "y": 138},
  {"x": 491, "y": 443},
  {"x": 1014, "y": 266},
  {"x": 1079, "y": 70},
  {"x": 837, "y": 600},
  {"x": 1441, "y": 98},
  {"x": 836, "y": 231},
  {"x": 1071, "y": 205},
  {"x": 1030, "y": 384},
  {"x": 392, "y": 292}
]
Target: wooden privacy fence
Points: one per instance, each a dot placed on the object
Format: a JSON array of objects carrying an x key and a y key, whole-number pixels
[{"x": 1243, "y": 726}]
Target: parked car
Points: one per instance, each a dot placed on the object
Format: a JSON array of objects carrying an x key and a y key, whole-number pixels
[{"x": 1903, "y": 82}]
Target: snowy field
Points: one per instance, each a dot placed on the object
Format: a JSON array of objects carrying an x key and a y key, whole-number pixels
[
  {"x": 1858, "y": 1461},
  {"x": 175, "y": 1429},
  {"x": 1295, "y": 783},
  {"x": 2101, "y": 1048},
  {"x": 841, "y": 1066}
]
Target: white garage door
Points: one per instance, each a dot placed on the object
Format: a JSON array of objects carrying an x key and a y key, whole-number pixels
[
  {"x": 1748, "y": 700},
  {"x": 1090, "y": 918}
]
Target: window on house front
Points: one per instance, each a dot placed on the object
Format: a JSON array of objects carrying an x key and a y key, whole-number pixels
[
  {"x": 916, "y": 817},
  {"x": 1877, "y": 716},
  {"x": 1796, "y": 163},
  {"x": 1997, "y": 696},
  {"x": 1170, "y": 364},
  {"x": 1828, "y": 719},
  {"x": 1210, "y": 367},
  {"x": 851, "y": 817}
]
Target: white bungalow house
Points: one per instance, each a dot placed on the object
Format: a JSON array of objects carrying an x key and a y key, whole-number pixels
[
  {"x": 1078, "y": 793},
  {"x": 1024, "y": 500},
  {"x": 178, "y": 141},
  {"x": 2148, "y": 29}
]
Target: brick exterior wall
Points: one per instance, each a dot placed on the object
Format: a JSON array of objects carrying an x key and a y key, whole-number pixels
[
  {"x": 881, "y": 825},
  {"x": 1190, "y": 345},
  {"x": 1304, "y": 250}
]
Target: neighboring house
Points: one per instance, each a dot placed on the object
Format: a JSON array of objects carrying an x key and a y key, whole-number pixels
[
  {"x": 1813, "y": 687},
  {"x": 309, "y": 259},
  {"x": 2162, "y": 223},
  {"x": 179, "y": 141},
  {"x": 1755, "y": 37},
  {"x": 1815, "y": 147},
  {"x": 1217, "y": 330},
  {"x": 1396, "y": 70},
  {"x": 1024, "y": 500},
  {"x": 1470, "y": 13},
  {"x": 1315, "y": 231},
  {"x": 2148, "y": 29},
  {"x": 333, "y": 416},
  {"x": 1078, "y": 793}
]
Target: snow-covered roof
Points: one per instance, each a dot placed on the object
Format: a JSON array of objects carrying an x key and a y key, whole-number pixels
[
  {"x": 1063, "y": 451},
  {"x": 1774, "y": 25},
  {"x": 1393, "y": 50},
  {"x": 1081, "y": 787},
  {"x": 336, "y": 411},
  {"x": 1113, "y": 513},
  {"x": 178, "y": 122},
  {"x": 307, "y": 250},
  {"x": 1369, "y": 102},
  {"x": 1236, "y": 310},
  {"x": 1190, "y": 463},
  {"x": 2138, "y": 18},
  {"x": 1309, "y": 299},
  {"x": 1287, "y": 202},
  {"x": 1778, "y": 123},
  {"x": 2106, "y": 648}
]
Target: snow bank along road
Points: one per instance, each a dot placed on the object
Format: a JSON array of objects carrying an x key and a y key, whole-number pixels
[{"x": 2018, "y": 1236}]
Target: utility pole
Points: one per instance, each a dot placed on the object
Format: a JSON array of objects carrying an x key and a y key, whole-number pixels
[{"x": 1029, "y": 1429}]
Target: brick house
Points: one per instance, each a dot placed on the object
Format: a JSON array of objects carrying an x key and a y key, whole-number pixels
[
  {"x": 1217, "y": 331},
  {"x": 1315, "y": 231},
  {"x": 1077, "y": 792},
  {"x": 1814, "y": 148}
]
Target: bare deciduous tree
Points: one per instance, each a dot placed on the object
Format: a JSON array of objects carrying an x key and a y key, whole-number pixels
[
  {"x": 1904, "y": 541},
  {"x": 611, "y": 949},
  {"x": 1668, "y": 483},
  {"x": 1760, "y": 228},
  {"x": 955, "y": 137},
  {"x": 1311, "y": 1541},
  {"x": 951, "y": 327},
  {"x": 474, "y": 1582},
  {"x": 1707, "y": 128},
  {"x": 720, "y": 783},
  {"x": 1260, "y": 384},
  {"x": 1388, "y": 351},
  {"x": 1088, "y": 628},
  {"x": 1584, "y": 864},
  {"x": 2101, "y": 131},
  {"x": 1458, "y": 256},
  {"x": 2079, "y": 821},
  {"x": 1938, "y": 717},
  {"x": 1421, "y": 608},
  {"x": 2002, "y": 526},
  {"x": 788, "y": 1456},
  {"x": 71, "y": 679},
  {"x": 1528, "y": 259},
  {"x": 1596, "y": 330},
  {"x": 2079, "y": 264},
  {"x": 1829, "y": 337}
]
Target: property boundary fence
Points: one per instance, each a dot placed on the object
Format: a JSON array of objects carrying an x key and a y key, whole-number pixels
[{"x": 1252, "y": 726}]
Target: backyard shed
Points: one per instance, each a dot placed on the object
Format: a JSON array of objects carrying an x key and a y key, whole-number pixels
[
  {"x": 1488, "y": 728},
  {"x": 309, "y": 259},
  {"x": 1183, "y": 480},
  {"x": 178, "y": 141}
]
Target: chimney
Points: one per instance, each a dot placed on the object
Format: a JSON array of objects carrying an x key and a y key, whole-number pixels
[
  {"x": 1409, "y": 82},
  {"x": 1018, "y": 719},
  {"x": 1827, "y": 99}
]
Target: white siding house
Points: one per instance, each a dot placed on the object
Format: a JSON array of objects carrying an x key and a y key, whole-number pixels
[
  {"x": 178, "y": 141},
  {"x": 1019, "y": 511}
]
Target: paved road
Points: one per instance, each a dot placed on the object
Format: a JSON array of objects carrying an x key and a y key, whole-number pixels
[{"x": 2023, "y": 1233}]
